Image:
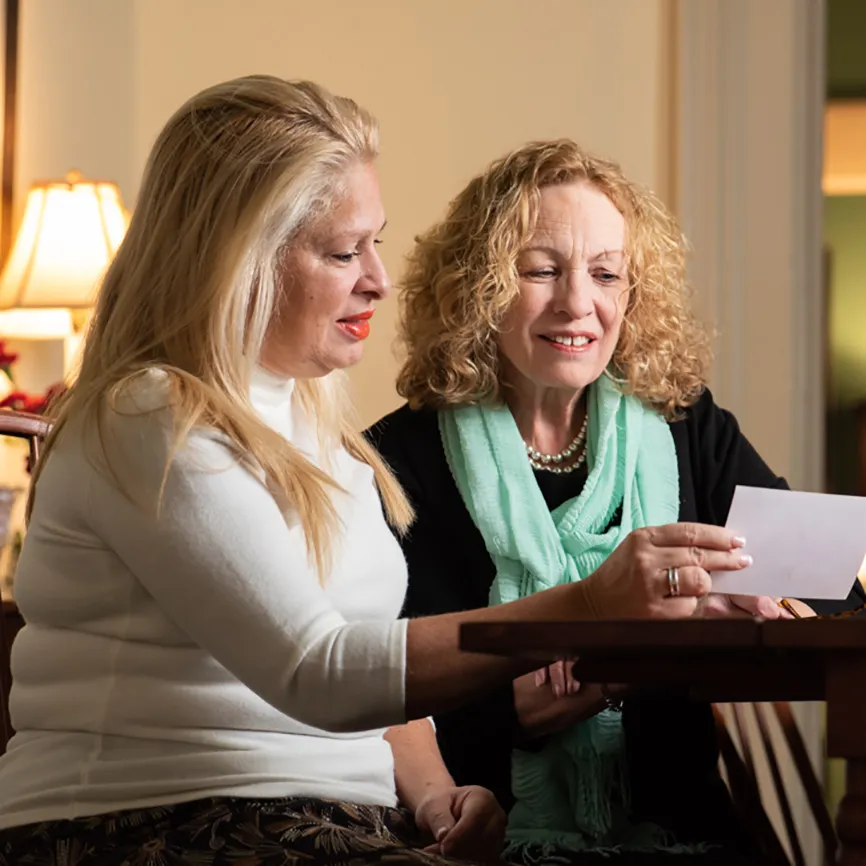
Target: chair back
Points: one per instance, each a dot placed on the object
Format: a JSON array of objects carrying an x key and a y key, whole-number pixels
[
  {"x": 739, "y": 762},
  {"x": 33, "y": 428}
]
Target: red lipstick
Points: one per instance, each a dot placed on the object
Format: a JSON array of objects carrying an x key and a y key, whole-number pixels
[{"x": 357, "y": 326}]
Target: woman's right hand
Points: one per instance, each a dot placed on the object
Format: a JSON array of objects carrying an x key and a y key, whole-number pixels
[{"x": 633, "y": 582}]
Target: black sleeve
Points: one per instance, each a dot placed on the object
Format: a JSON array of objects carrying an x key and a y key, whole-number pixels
[
  {"x": 722, "y": 459},
  {"x": 476, "y": 739},
  {"x": 449, "y": 570}
]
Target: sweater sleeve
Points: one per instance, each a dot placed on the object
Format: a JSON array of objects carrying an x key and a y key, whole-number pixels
[{"x": 230, "y": 569}]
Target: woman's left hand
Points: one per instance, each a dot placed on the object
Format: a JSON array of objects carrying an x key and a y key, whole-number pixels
[
  {"x": 560, "y": 675},
  {"x": 467, "y": 823},
  {"x": 718, "y": 606}
]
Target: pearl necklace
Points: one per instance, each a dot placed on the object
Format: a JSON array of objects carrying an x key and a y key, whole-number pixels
[{"x": 564, "y": 461}]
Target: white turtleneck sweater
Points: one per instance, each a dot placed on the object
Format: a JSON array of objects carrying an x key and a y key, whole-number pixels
[{"x": 194, "y": 653}]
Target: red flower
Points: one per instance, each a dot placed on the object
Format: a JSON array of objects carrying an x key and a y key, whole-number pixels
[
  {"x": 7, "y": 359},
  {"x": 35, "y": 404},
  {"x": 17, "y": 400}
]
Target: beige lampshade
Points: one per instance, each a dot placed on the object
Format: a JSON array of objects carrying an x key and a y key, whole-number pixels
[{"x": 70, "y": 232}]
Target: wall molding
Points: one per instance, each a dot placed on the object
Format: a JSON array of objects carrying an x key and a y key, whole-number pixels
[{"x": 748, "y": 194}]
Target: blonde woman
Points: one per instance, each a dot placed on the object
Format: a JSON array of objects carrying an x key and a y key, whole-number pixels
[
  {"x": 557, "y": 402},
  {"x": 213, "y": 648}
]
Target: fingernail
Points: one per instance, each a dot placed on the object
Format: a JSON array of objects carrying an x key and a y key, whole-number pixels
[
  {"x": 573, "y": 687},
  {"x": 746, "y": 560},
  {"x": 538, "y": 680},
  {"x": 440, "y": 833},
  {"x": 557, "y": 690},
  {"x": 739, "y": 541}
]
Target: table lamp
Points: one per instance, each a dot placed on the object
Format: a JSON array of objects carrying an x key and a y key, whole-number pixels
[{"x": 70, "y": 231}]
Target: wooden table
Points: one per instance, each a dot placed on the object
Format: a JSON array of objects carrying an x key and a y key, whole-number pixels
[{"x": 722, "y": 661}]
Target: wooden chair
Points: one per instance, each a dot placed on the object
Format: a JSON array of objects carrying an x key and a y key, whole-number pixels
[
  {"x": 739, "y": 763},
  {"x": 33, "y": 428}
]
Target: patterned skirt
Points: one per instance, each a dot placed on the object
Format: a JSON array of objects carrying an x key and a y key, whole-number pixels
[{"x": 225, "y": 831}]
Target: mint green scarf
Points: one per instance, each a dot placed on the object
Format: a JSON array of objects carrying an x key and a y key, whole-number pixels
[{"x": 573, "y": 793}]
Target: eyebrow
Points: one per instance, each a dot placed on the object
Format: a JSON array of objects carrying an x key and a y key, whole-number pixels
[
  {"x": 604, "y": 254},
  {"x": 607, "y": 254},
  {"x": 358, "y": 232},
  {"x": 541, "y": 248}
]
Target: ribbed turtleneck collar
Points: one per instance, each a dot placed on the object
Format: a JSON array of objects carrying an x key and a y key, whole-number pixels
[{"x": 268, "y": 391}]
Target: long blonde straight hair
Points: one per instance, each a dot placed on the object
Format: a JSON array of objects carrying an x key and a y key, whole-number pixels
[{"x": 234, "y": 176}]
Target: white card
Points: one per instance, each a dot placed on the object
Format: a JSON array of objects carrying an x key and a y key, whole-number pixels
[{"x": 804, "y": 545}]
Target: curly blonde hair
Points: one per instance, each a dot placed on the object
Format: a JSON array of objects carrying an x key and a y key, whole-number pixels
[{"x": 462, "y": 278}]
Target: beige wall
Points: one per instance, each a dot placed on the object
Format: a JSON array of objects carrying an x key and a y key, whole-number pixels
[
  {"x": 453, "y": 83},
  {"x": 74, "y": 111},
  {"x": 75, "y": 99}
]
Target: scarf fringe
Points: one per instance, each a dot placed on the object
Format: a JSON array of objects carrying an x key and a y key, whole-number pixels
[
  {"x": 560, "y": 848},
  {"x": 598, "y": 751}
]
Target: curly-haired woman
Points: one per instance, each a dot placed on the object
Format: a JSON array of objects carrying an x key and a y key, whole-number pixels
[{"x": 557, "y": 406}]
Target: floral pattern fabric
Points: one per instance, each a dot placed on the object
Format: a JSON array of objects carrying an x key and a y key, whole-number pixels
[{"x": 225, "y": 832}]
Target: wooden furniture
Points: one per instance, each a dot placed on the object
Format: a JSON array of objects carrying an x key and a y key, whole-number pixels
[
  {"x": 745, "y": 788},
  {"x": 722, "y": 662},
  {"x": 10, "y": 625},
  {"x": 22, "y": 425},
  {"x": 33, "y": 428}
]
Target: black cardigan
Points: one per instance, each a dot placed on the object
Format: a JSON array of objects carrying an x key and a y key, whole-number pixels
[{"x": 671, "y": 742}]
